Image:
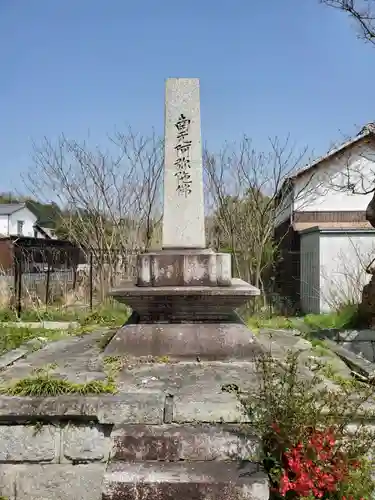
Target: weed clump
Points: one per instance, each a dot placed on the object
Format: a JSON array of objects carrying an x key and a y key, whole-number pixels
[{"x": 45, "y": 385}]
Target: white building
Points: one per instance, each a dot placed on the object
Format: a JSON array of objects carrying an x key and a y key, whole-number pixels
[
  {"x": 17, "y": 219},
  {"x": 324, "y": 239}
]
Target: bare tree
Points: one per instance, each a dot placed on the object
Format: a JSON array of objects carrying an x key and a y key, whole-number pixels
[
  {"x": 145, "y": 157},
  {"x": 110, "y": 199},
  {"x": 361, "y": 11},
  {"x": 246, "y": 191}
]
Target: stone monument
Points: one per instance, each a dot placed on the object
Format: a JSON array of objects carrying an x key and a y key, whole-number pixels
[
  {"x": 171, "y": 429},
  {"x": 184, "y": 298}
]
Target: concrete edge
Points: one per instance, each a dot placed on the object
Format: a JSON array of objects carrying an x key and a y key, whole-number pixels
[{"x": 131, "y": 408}]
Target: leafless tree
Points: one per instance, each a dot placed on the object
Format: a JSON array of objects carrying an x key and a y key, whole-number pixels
[
  {"x": 146, "y": 160},
  {"x": 110, "y": 198},
  {"x": 361, "y": 11},
  {"x": 245, "y": 189}
]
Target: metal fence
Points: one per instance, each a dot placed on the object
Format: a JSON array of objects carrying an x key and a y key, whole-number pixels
[{"x": 65, "y": 276}]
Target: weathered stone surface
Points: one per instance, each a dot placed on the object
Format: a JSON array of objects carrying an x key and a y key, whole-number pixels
[
  {"x": 183, "y": 442},
  {"x": 29, "y": 443},
  {"x": 12, "y": 356},
  {"x": 183, "y": 221},
  {"x": 187, "y": 378},
  {"x": 286, "y": 339},
  {"x": 52, "y": 482},
  {"x": 15, "y": 409},
  {"x": 209, "y": 341},
  {"x": 185, "y": 303},
  {"x": 132, "y": 408},
  {"x": 168, "y": 481},
  {"x": 72, "y": 355},
  {"x": 84, "y": 443},
  {"x": 357, "y": 363},
  {"x": 208, "y": 408},
  {"x": 186, "y": 268},
  {"x": 7, "y": 481},
  {"x": 129, "y": 408},
  {"x": 361, "y": 342},
  {"x": 279, "y": 342}
]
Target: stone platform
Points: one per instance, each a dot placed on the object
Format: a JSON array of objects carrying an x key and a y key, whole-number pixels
[
  {"x": 169, "y": 432},
  {"x": 204, "y": 341},
  {"x": 190, "y": 304}
]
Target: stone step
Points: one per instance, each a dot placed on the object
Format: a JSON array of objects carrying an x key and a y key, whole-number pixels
[
  {"x": 173, "y": 442},
  {"x": 185, "y": 481}
]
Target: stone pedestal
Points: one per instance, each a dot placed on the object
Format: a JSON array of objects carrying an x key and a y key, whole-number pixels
[
  {"x": 184, "y": 267},
  {"x": 178, "y": 319},
  {"x": 177, "y": 304}
]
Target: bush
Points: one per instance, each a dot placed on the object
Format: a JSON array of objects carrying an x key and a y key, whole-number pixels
[
  {"x": 44, "y": 385},
  {"x": 308, "y": 448},
  {"x": 347, "y": 317}
]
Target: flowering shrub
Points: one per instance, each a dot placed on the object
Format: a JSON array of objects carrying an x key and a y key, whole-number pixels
[
  {"x": 309, "y": 449},
  {"x": 316, "y": 468}
]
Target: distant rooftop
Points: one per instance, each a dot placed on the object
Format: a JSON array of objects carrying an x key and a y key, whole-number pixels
[
  {"x": 367, "y": 131},
  {"x": 10, "y": 208}
]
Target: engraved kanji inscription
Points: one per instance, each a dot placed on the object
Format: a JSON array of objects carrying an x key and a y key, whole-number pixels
[{"x": 182, "y": 162}]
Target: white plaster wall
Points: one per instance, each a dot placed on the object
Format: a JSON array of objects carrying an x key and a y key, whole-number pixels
[
  {"x": 326, "y": 189},
  {"x": 309, "y": 284},
  {"x": 22, "y": 215},
  {"x": 343, "y": 259},
  {"x": 3, "y": 225}
]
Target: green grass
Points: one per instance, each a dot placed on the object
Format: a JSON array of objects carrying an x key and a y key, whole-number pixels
[
  {"x": 110, "y": 314},
  {"x": 346, "y": 318},
  {"x": 45, "y": 385},
  {"x": 106, "y": 316},
  {"x": 274, "y": 322},
  {"x": 13, "y": 337},
  {"x": 114, "y": 364}
]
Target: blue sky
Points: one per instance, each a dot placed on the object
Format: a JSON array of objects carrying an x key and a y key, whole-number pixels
[{"x": 267, "y": 68}]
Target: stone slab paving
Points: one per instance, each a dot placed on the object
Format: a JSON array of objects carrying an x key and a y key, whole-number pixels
[
  {"x": 161, "y": 407},
  {"x": 76, "y": 358}
]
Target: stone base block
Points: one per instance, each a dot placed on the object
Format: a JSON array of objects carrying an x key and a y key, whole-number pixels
[
  {"x": 185, "y": 481},
  {"x": 184, "y": 268},
  {"x": 185, "y": 304},
  {"x": 208, "y": 341},
  {"x": 176, "y": 442},
  {"x": 49, "y": 482}
]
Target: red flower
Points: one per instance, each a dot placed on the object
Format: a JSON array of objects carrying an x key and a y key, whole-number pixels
[{"x": 314, "y": 468}]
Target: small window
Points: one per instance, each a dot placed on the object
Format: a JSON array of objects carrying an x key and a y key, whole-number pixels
[{"x": 20, "y": 224}]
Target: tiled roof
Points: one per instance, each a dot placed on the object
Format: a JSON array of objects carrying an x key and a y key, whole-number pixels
[
  {"x": 301, "y": 226},
  {"x": 10, "y": 208},
  {"x": 366, "y": 132}
]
